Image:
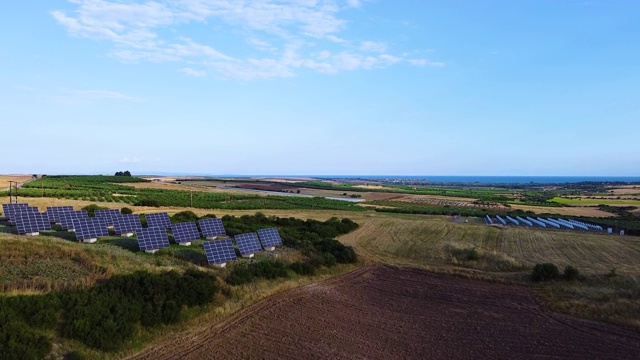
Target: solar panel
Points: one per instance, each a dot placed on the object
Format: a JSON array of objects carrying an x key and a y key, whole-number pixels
[
  {"x": 10, "y": 209},
  {"x": 211, "y": 227},
  {"x": 269, "y": 237},
  {"x": 160, "y": 220},
  {"x": 219, "y": 251},
  {"x": 109, "y": 216},
  {"x": 185, "y": 232},
  {"x": 66, "y": 218},
  {"x": 127, "y": 223},
  {"x": 28, "y": 222},
  {"x": 89, "y": 228},
  {"x": 53, "y": 212},
  {"x": 152, "y": 238},
  {"x": 248, "y": 243}
]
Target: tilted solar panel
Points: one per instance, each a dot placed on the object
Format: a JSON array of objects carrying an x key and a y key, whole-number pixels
[
  {"x": 248, "y": 243},
  {"x": 66, "y": 218},
  {"x": 54, "y": 212},
  {"x": 211, "y": 227},
  {"x": 127, "y": 223},
  {"x": 219, "y": 251},
  {"x": 108, "y": 215},
  {"x": 269, "y": 237},
  {"x": 160, "y": 220},
  {"x": 28, "y": 222},
  {"x": 152, "y": 238},
  {"x": 89, "y": 228},
  {"x": 10, "y": 209},
  {"x": 185, "y": 232}
]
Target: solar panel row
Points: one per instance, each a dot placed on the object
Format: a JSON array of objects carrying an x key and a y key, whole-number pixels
[
  {"x": 150, "y": 239},
  {"x": 185, "y": 232},
  {"x": 89, "y": 228},
  {"x": 248, "y": 243},
  {"x": 219, "y": 251},
  {"x": 211, "y": 227},
  {"x": 54, "y": 212},
  {"x": 160, "y": 220},
  {"x": 108, "y": 215},
  {"x": 269, "y": 237},
  {"x": 66, "y": 218},
  {"x": 30, "y": 222},
  {"x": 127, "y": 223}
]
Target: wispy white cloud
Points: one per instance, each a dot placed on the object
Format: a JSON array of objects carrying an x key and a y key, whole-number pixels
[
  {"x": 74, "y": 96},
  {"x": 193, "y": 72},
  {"x": 301, "y": 33}
]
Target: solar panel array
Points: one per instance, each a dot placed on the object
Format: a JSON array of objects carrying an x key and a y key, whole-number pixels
[
  {"x": 152, "y": 238},
  {"x": 66, "y": 218},
  {"x": 219, "y": 251},
  {"x": 185, "y": 232},
  {"x": 160, "y": 220},
  {"x": 109, "y": 215},
  {"x": 28, "y": 221},
  {"x": 90, "y": 228},
  {"x": 248, "y": 243},
  {"x": 269, "y": 237},
  {"x": 211, "y": 227},
  {"x": 9, "y": 210},
  {"x": 127, "y": 223},
  {"x": 54, "y": 212}
]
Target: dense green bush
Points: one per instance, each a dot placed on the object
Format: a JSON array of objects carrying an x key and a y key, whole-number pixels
[
  {"x": 184, "y": 216},
  {"x": 106, "y": 316},
  {"x": 20, "y": 319},
  {"x": 126, "y": 211},
  {"x": 571, "y": 273},
  {"x": 263, "y": 269},
  {"x": 147, "y": 202},
  {"x": 90, "y": 209},
  {"x": 303, "y": 268},
  {"x": 544, "y": 272}
]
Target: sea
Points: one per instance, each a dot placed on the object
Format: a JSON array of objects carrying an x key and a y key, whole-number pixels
[
  {"x": 457, "y": 179},
  {"x": 496, "y": 179}
]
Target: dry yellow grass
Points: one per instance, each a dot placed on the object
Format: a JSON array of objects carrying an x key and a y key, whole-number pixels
[
  {"x": 4, "y": 180},
  {"x": 421, "y": 241},
  {"x": 625, "y": 190}
]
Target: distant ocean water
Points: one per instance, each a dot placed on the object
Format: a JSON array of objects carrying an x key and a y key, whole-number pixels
[
  {"x": 498, "y": 179},
  {"x": 440, "y": 178}
]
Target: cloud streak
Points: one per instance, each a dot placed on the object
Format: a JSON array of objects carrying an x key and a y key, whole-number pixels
[
  {"x": 281, "y": 36},
  {"x": 68, "y": 96}
]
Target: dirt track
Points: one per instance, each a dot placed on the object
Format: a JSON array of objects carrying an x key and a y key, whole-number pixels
[{"x": 381, "y": 312}]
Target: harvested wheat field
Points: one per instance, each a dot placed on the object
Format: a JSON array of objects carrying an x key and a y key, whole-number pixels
[{"x": 381, "y": 312}]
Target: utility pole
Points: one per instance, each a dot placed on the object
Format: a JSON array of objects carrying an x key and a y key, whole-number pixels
[
  {"x": 13, "y": 195},
  {"x": 192, "y": 199}
]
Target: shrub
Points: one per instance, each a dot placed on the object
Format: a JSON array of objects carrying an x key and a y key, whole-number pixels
[
  {"x": 147, "y": 202},
  {"x": 302, "y": 268},
  {"x": 184, "y": 216},
  {"x": 240, "y": 275},
  {"x": 126, "y": 210},
  {"x": 90, "y": 209},
  {"x": 571, "y": 273},
  {"x": 544, "y": 272}
]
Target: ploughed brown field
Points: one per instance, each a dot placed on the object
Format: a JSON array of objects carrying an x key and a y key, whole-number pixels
[{"x": 381, "y": 312}]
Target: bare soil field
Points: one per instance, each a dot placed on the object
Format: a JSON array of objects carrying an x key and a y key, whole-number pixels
[{"x": 381, "y": 312}]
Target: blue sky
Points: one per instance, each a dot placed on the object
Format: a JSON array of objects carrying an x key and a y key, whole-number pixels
[{"x": 340, "y": 87}]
